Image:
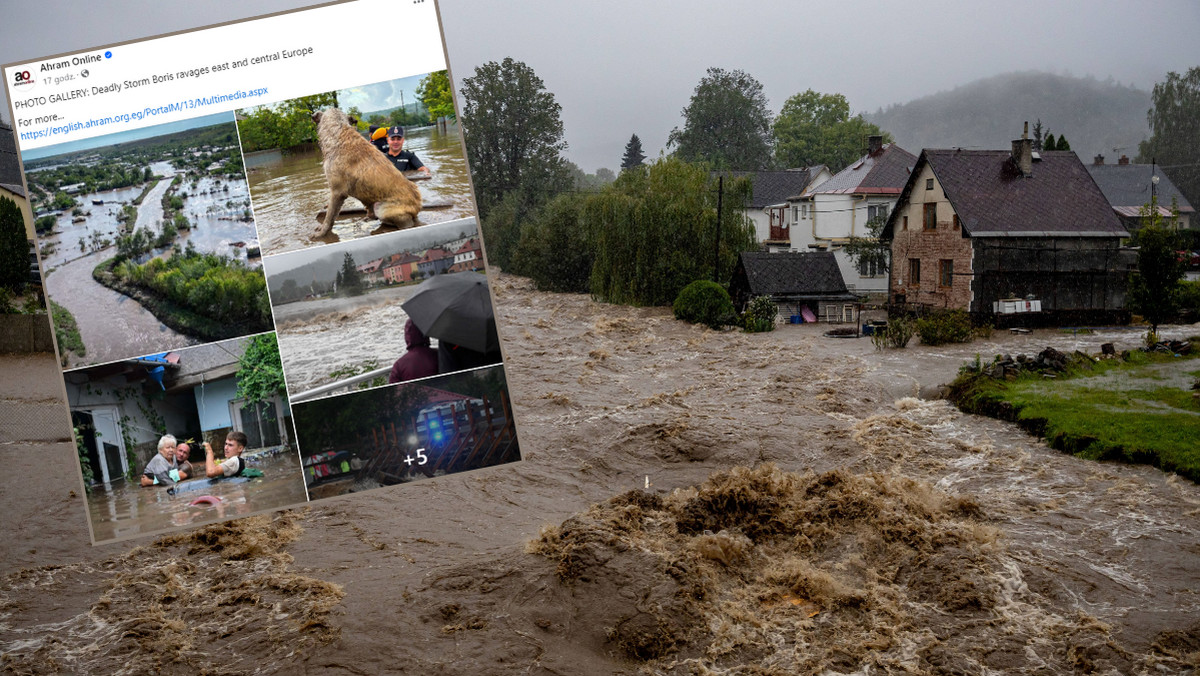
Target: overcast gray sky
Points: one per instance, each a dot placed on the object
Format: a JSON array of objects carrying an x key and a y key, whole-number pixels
[{"x": 629, "y": 66}]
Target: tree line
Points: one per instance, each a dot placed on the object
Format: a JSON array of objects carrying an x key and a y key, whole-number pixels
[
  {"x": 544, "y": 218},
  {"x": 641, "y": 236},
  {"x": 288, "y": 124}
]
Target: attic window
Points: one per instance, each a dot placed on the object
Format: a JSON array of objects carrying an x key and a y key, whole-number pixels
[
  {"x": 929, "y": 184},
  {"x": 931, "y": 215}
]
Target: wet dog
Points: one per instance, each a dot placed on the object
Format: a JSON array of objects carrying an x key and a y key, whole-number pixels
[{"x": 355, "y": 168}]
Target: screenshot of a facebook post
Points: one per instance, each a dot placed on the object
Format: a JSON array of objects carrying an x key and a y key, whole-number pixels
[{"x": 260, "y": 250}]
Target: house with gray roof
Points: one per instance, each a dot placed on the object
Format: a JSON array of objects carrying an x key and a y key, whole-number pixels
[
  {"x": 121, "y": 408},
  {"x": 828, "y": 215},
  {"x": 768, "y": 206},
  {"x": 794, "y": 280},
  {"x": 1128, "y": 187},
  {"x": 974, "y": 227}
]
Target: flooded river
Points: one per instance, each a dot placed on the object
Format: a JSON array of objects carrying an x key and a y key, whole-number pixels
[
  {"x": 63, "y": 244},
  {"x": 327, "y": 336},
  {"x": 112, "y": 325},
  {"x": 955, "y": 544},
  {"x": 288, "y": 193}
]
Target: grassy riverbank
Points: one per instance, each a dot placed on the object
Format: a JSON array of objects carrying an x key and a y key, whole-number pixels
[
  {"x": 1139, "y": 409},
  {"x": 66, "y": 331},
  {"x": 201, "y": 295}
]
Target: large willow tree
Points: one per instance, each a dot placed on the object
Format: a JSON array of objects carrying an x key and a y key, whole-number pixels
[{"x": 654, "y": 231}]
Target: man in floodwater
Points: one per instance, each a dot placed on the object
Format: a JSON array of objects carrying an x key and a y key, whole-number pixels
[
  {"x": 232, "y": 465},
  {"x": 163, "y": 469},
  {"x": 402, "y": 159},
  {"x": 182, "y": 452}
]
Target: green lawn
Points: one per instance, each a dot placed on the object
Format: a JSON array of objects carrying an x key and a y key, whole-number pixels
[{"x": 1140, "y": 411}]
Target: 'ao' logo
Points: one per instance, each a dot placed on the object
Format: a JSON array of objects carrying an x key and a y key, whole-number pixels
[{"x": 23, "y": 79}]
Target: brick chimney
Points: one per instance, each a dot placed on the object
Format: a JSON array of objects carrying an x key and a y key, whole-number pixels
[
  {"x": 1022, "y": 153},
  {"x": 1099, "y": 161},
  {"x": 874, "y": 145},
  {"x": 1123, "y": 160}
]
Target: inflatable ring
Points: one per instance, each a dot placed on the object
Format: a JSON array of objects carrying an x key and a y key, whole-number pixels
[{"x": 205, "y": 500}]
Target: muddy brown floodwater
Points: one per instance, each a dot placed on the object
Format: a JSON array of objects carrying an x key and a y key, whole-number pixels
[
  {"x": 124, "y": 508},
  {"x": 321, "y": 338},
  {"x": 112, "y": 325},
  {"x": 287, "y": 194},
  {"x": 878, "y": 532}
]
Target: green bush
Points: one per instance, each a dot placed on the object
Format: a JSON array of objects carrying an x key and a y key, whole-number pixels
[
  {"x": 1189, "y": 296},
  {"x": 946, "y": 326},
  {"x": 703, "y": 302},
  {"x": 897, "y": 334},
  {"x": 760, "y": 315}
]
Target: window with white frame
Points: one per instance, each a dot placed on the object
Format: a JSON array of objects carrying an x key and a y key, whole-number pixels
[{"x": 869, "y": 268}]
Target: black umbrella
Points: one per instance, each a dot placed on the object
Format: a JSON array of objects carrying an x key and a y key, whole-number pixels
[{"x": 455, "y": 308}]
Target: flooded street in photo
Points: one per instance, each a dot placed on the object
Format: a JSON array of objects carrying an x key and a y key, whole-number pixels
[
  {"x": 287, "y": 193},
  {"x": 62, "y": 245},
  {"x": 318, "y": 338},
  {"x": 217, "y": 208},
  {"x": 910, "y": 538},
  {"x": 124, "y": 508},
  {"x": 150, "y": 211}
]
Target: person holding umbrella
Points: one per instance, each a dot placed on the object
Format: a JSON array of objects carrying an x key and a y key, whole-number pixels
[{"x": 457, "y": 310}]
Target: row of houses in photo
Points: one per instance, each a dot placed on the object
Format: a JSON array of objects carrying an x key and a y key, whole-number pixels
[
  {"x": 457, "y": 256},
  {"x": 968, "y": 229}
]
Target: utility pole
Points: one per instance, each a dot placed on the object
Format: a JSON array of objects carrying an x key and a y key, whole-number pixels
[{"x": 717, "y": 245}]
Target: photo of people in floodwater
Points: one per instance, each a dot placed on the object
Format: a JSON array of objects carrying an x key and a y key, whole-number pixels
[
  {"x": 408, "y": 123},
  {"x": 147, "y": 240},
  {"x": 391, "y": 308},
  {"x": 184, "y": 437},
  {"x": 399, "y": 434}
]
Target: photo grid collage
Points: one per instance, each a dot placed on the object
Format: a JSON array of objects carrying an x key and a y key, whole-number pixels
[{"x": 282, "y": 303}]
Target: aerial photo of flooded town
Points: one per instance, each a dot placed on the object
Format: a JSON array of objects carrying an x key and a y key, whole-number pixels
[{"x": 148, "y": 243}]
